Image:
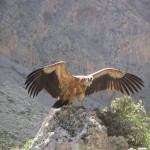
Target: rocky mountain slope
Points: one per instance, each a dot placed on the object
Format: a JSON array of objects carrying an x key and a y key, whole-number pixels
[
  {"x": 20, "y": 115},
  {"x": 87, "y": 35}
]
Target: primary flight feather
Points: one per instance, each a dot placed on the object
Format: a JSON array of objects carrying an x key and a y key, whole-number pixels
[{"x": 64, "y": 86}]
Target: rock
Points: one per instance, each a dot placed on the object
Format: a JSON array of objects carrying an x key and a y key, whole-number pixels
[
  {"x": 74, "y": 129},
  {"x": 140, "y": 148}
]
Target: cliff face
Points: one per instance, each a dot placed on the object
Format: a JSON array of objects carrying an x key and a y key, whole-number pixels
[{"x": 88, "y": 35}]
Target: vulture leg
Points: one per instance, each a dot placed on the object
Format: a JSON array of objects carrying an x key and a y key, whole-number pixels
[{"x": 81, "y": 98}]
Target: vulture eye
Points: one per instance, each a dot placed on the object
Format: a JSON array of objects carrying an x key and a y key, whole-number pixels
[{"x": 90, "y": 78}]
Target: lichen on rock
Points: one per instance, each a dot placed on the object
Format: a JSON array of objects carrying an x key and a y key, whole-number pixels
[{"x": 75, "y": 129}]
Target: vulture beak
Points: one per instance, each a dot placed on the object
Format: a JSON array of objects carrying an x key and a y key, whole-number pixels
[{"x": 90, "y": 79}]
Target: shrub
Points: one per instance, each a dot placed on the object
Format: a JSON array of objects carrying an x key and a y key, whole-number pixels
[
  {"x": 25, "y": 147},
  {"x": 128, "y": 119}
]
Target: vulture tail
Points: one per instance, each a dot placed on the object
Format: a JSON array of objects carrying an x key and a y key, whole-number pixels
[{"x": 60, "y": 103}]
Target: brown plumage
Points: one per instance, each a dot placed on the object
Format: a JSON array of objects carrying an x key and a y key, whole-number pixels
[{"x": 64, "y": 86}]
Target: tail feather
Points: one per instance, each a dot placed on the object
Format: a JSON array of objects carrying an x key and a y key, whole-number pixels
[{"x": 60, "y": 103}]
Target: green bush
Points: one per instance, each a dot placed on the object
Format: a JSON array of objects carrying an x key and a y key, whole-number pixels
[
  {"x": 134, "y": 117},
  {"x": 125, "y": 118},
  {"x": 25, "y": 147}
]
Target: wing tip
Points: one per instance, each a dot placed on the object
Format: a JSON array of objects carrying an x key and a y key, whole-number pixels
[
  {"x": 134, "y": 76},
  {"x": 31, "y": 78},
  {"x": 34, "y": 72}
]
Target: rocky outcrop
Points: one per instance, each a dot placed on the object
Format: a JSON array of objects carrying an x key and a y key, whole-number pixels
[{"x": 75, "y": 129}]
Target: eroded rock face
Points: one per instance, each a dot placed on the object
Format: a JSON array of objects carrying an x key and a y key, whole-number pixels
[{"x": 75, "y": 129}]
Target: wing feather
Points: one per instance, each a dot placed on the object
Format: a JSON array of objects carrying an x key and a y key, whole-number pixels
[
  {"x": 113, "y": 79},
  {"x": 125, "y": 87},
  {"x": 108, "y": 83},
  {"x": 111, "y": 84},
  {"x": 128, "y": 85},
  {"x": 120, "y": 84},
  {"x": 117, "y": 86},
  {"x": 136, "y": 79},
  {"x": 131, "y": 83}
]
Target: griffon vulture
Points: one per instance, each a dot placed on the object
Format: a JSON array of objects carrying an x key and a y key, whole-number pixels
[{"x": 64, "y": 86}]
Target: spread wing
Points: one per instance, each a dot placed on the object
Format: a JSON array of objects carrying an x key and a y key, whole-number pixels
[
  {"x": 114, "y": 79},
  {"x": 48, "y": 78}
]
